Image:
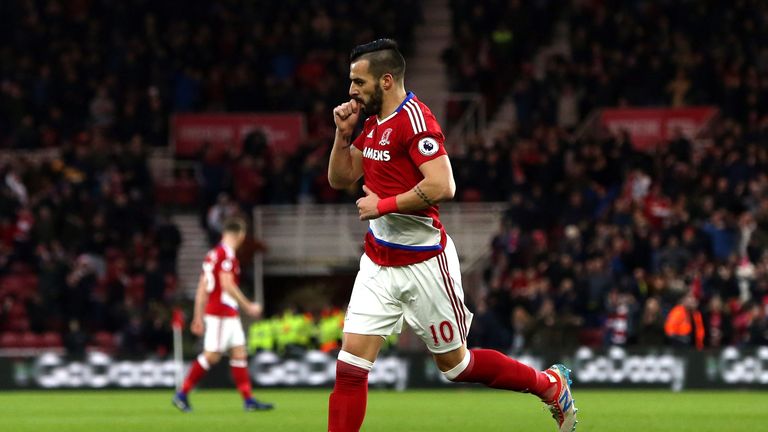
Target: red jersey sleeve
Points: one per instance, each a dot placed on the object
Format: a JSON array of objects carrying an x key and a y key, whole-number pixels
[
  {"x": 227, "y": 265},
  {"x": 426, "y": 146}
]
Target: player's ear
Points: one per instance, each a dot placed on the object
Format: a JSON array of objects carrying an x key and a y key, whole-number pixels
[{"x": 387, "y": 81}]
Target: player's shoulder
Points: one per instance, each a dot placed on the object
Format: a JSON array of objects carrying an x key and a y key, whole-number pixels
[
  {"x": 417, "y": 118},
  {"x": 215, "y": 254}
]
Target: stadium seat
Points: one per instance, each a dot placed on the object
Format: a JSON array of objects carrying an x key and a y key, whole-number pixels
[
  {"x": 9, "y": 340},
  {"x": 135, "y": 289},
  {"x": 592, "y": 337},
  {"x": 103, "y": 341},
  {"x": 13, "y": 284},
  {"x": 29, "y": 340},
  {"x": 472, "y": 195},
  {"x": 51, "y": 340},
  {"x": 171, "y": 284},
  {"x": 164, "y": 193},
  {"x": 20, "y": 285},
  {"x": 16, "y": 318},
  {"x": 185, "y": 192}
]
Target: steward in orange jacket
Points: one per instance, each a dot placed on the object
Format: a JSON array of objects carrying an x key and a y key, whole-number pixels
[{"x": 684, "y": 325}]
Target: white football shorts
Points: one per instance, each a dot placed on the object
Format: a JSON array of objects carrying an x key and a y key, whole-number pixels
[
  {"x": 427, "y": 295},
  {"x": 222, "y": 333}
]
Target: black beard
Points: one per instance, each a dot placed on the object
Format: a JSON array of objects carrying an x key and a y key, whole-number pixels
[{"x": 373, "y": 107}]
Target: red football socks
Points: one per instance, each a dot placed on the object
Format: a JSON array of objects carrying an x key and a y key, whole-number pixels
[
  {"x": 241, "y": 378},
  {"x": 496, "y": 370},
  {"x": 196, "y": 373},
  {"x": 348, "y": 399}
]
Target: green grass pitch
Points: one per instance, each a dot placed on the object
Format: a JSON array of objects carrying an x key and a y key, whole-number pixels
[{"x": 388, "y": 411}]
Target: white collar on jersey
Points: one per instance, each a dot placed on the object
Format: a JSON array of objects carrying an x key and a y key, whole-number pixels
[
  {"x": 408, "y": 97},
  {"x": 230, "y": 252}
]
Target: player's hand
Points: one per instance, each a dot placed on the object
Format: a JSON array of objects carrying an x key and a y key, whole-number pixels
[
  {"x": 197, "y": 327},
  {"x": 367, "y": 206},
  {"x": 345, "y": 116},
  {"x": 254, "y": 310}
]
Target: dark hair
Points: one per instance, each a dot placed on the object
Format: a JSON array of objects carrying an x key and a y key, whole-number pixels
[
  {"x": 235, "y": 225},
  {"x": 383, "y": 57}
]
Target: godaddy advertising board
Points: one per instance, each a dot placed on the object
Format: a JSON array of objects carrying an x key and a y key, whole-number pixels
[{"x": 612, "y": 367}]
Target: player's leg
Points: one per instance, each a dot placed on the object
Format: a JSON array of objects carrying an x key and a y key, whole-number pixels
[
  {"x": 348, "y": 401},
  {"x": 238, "y": 365},
  {"x": 484, "y": 366},
  {"x": 496, "y": 370},
  {"x": 372, "y": 313},
  {"x": 202, "y": 364}
]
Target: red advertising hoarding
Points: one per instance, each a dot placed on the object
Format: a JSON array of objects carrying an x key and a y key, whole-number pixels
[
  {"x": 189, "y": 132},
  {"x": 649, "y": 127}
]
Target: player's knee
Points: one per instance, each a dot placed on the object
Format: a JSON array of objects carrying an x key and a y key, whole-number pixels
[
  {"x": 351, "y": 369},
  {"x": 211, "y": 357},
  {"x": 454, "y": 374}
]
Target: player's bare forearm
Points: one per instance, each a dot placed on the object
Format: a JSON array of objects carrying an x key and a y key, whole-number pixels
[
  {"x": 424, "y": 195},
  {"x": 201, "y": 298},
  {"x": 343, "y": 171},
  {"x": 229, "y": 286},
  {"x": 437, "y": 186}
]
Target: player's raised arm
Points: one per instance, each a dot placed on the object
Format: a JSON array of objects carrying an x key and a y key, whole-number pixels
[
  {"x": 437, "y": 186},
  {"x": 227, "y": 281},
  {"x": 346, "y": 163}
]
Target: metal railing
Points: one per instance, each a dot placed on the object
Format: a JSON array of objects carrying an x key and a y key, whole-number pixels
[
  {"x": 471, "y": 123},
  {"x": 308, "y": 240}
]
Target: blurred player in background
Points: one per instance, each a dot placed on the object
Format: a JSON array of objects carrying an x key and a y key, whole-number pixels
[
  {"x": 217, "y": 318},
  {"x": 410, "y": 269}
]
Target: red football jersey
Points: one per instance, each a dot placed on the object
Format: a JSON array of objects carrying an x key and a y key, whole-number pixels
[
  {"x": 218, "y": 260},
  {"x": 393, "y": 149}
]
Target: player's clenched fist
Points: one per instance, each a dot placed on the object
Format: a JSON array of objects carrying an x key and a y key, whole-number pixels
[
  {"x": 254, "y": 310},
  {"x": 367, "y": 206},
  {"x": 345, "y": 116},
  {"x": 197, "y": 327}
]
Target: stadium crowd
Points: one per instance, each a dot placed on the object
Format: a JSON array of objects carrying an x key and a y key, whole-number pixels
[
  {"x": 85, "y": 255},
  {"x": 600, "y": 245},
  {"x": 601, "y": 242},
  {"x": 557, "y": 61}
]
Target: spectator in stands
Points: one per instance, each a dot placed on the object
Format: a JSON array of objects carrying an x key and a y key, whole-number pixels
[
  {"x": 488, "y": 330},
  {"x": 222, "y": 210},
  {"x": 651, "y": 328},
  {"x": 75, "y": 340},
  {"x": 168, "y": 240},
  {"x": 717, "y": 323},
  {"x": 758, "y": 326},
  {"x": 684, "y": 326}
]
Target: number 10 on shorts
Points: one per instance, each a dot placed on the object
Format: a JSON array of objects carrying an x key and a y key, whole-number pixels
[{"x": 446, "y": 332}]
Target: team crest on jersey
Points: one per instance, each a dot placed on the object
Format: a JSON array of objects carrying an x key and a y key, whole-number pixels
[
  {"x": 385, "y": 137},
  {"x": 428, "y": 146}
]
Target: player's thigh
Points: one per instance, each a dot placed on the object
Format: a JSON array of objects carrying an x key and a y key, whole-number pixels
[
  {"x": 373, "y": 309},
  {"x": 437, "y": 312},
  {"x": 214, "y": 339},
  {"x": 233, "y": 334},
  {"x": 363, "y": 346}
]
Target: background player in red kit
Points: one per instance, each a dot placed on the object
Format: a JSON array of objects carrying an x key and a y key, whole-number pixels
[
  {"x": 218, "y": 319},
  {"x": 410, "y": 269}
]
